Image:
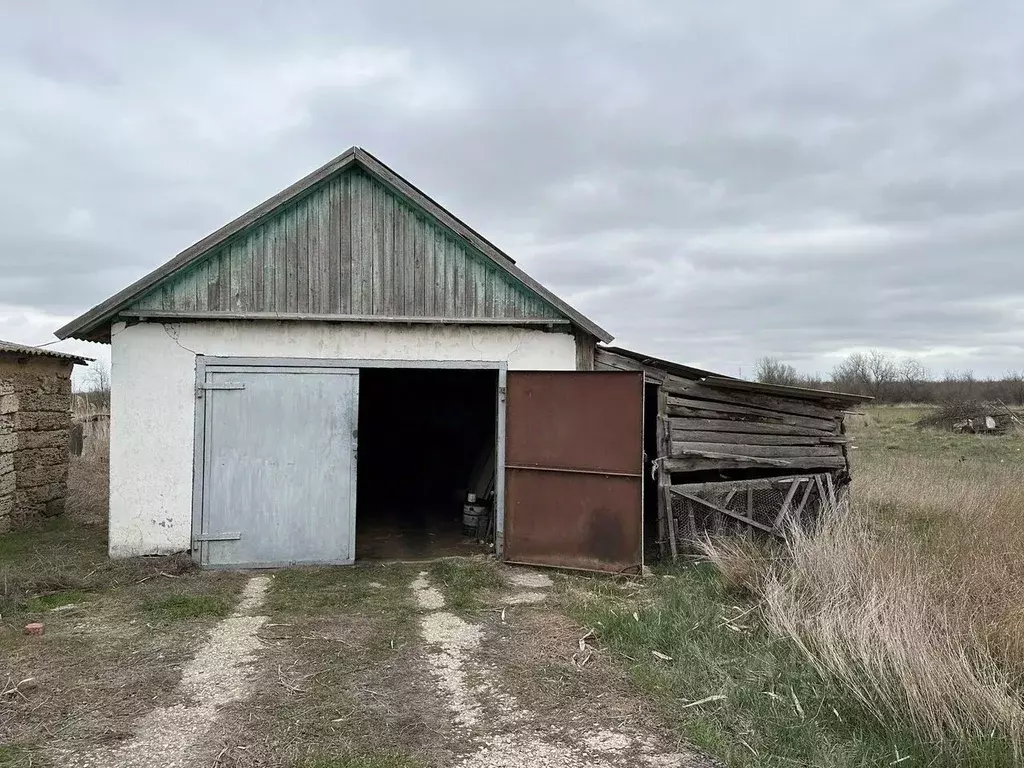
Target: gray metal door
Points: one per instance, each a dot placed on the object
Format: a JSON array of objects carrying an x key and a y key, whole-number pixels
[{"x": 278, "y": 452}]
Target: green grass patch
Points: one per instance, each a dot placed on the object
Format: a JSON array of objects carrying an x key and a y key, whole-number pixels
[
  {"x": 55, "y": 600},
  {"x": 341, "y": 589},
  {"x": 184, "y": 607},
  {"x": 16, "y": 756},
  {"x": 888, "y": 432},
  {"x": 391, "y": 760},
  {"x": 773, "y": 710},
  {"x": 463, "y": 580}
]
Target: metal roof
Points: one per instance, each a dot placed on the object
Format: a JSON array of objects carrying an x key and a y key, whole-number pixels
[
  {"x": 9, "y": 347},
  {"x": 94, "y": 324}
]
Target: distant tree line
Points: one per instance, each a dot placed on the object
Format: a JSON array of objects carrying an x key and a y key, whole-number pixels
[{"x": 891, "y": 379}]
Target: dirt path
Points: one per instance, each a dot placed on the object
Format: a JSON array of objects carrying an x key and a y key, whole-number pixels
[
  {"x": 504, "y": 732},
  {"x": 217, "y": 675},
  {"x": 467, "y": 664}
]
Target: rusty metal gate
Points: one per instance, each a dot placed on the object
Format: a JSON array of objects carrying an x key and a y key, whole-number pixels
[{"x": 574, "y": 469}]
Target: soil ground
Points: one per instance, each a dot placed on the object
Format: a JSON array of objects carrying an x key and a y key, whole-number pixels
[{"x": 459, "y": 662}]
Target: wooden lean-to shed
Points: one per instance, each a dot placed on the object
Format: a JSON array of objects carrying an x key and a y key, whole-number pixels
[{"x": 725, "y": 454}]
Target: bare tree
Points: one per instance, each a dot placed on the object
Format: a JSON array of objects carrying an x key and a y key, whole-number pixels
[
  {"x": 853, "y": 375},
  {"x": 912, "y": 375},
  {"x": 97, "y": 384},
  {"x": 771, "y": 370},
  {"x": 882, "y": 370}
]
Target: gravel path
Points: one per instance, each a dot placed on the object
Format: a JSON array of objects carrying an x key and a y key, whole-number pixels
[
  {"x": 216, "y": 676},
  {"x": 494, "y": 722}
]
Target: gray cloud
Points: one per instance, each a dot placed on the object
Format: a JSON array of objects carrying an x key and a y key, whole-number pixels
[{"x": 710, "y": 183}]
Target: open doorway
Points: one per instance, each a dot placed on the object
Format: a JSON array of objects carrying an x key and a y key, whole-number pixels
[{"x": 426, "y": 440}]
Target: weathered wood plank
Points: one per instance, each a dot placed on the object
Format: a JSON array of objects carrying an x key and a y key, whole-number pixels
[
  {"x": 585, "y": 354},
  {"x": 784, "y": 509},
  {"x": 680, "y": 448},
  {"x": 312, "y": 257},
  {"x": 458, "y": 268},
  {"x": 363, "y": 252},
  {"x": 302, "y": 257},
  {"x": 212, "y": 281},
  {"x": 440, "y": 273},
  {"x": 257, "y": 240},
  {"x": 336, "y": 228},
  {"x": 520, "y": 322},
  {"x": 803, "y": 501},
  {"x": 419, "y": 272},
  {"x": 356, "y": 261},
  {"x": 683, "y": 406},
  {"x": 472, "y": 283},
  {"x": 701, "y": 463},
  {"x": 691, "y": 435},
  {"x": 375, "y": 243},
  {"x": 235, "y": 258},
  {"x": 757, "y": 484},
  {"x": 183, "y": 295},
  {"x": 696, "y": 390},
  {"x": 666, "y": 520},
  {"x": 224, "y": 279},
  {"x": 281, "y": 263},
  {"x": 445, "y": 246},
  {"x": 710, "y": 424},
  {"x": 429, "y": 271},
  {"x": 387, "y": 250},
  {"x": 291, "y": 258},
  {"x": 343, "y": 272}
]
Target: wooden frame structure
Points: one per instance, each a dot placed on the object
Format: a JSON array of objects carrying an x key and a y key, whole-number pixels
[{"x": 781, "y": 451}]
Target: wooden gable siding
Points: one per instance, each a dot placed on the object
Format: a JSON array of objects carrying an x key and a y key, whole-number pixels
[{"x": 349, "y": 247}]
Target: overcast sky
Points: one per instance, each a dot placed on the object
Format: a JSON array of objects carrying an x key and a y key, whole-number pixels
[{"x": 711, "y": 182}]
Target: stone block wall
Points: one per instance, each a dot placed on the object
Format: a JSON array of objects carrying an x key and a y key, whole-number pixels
[{"x": 35, "y": 419}]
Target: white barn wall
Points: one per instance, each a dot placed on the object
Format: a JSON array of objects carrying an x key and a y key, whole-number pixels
[{"x": 153, "y": 398}]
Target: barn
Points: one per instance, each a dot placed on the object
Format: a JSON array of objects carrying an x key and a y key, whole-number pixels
[{"x": 347, "y": 371}]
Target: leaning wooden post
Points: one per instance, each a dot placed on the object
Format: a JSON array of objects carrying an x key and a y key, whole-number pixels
[{"x": 666, "y": 524}]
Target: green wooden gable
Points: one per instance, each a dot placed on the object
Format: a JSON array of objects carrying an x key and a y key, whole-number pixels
[
  {"x": 350, "y": 247},
  {"x": 351, "y": 241}
]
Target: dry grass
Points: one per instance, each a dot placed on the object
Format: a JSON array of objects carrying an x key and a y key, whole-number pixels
[
  {"x": 909, "y": 599},
  {"x": 89, "y": 474}
]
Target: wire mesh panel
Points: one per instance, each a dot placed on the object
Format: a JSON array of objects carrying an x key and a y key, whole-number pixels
[{"x": 750, "y": 507}]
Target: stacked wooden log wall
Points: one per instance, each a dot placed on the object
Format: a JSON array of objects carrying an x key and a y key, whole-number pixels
[{"x": 717, "y": 427}]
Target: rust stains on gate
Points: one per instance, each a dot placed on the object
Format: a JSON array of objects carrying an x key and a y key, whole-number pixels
[{"x": 574, "y": 470}]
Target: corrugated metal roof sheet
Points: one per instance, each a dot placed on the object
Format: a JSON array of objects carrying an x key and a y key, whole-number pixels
[{"x": 24, "y": 349}]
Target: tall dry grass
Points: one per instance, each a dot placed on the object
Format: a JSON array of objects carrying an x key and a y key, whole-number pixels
[
  {"x": 89, "y": 474},
  {"x": 909, "y": 597}
]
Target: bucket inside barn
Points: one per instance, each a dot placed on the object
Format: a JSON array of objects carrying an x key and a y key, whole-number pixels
[{"x": 474, "y": 516}]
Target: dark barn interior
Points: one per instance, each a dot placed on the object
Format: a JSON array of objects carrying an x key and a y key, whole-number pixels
[{"x": 425, "y": 439}]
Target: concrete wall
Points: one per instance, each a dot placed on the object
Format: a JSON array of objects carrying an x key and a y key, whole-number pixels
[
  {"x": 153, "y": 398},
  {"x": 35, "y": 416}
]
